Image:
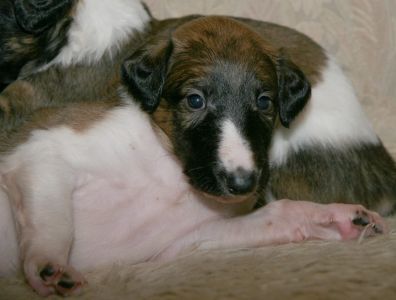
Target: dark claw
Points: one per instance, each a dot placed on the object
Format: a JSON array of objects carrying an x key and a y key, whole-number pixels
[
  {"x": 47, "y": 271},
  {"x": 66, "y": 283},
  {"x": 361, "y": 221},
  {"x": 377, "y": 229}
]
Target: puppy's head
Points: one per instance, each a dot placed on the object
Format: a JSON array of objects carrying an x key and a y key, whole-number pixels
[{"x": 216, "y": 88}]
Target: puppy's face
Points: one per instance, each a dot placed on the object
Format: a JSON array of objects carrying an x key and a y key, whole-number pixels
[{"x": 217, "y": 99}]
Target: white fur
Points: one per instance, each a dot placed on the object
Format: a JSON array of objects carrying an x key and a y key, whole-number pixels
[
  {"x": 333, "y": 117},
  {"x": 234, "y": 150},
  {"x": 99, "y": 27}
]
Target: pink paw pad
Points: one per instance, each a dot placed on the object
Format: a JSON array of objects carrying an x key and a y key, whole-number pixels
[{"x": 53, "y": 279}]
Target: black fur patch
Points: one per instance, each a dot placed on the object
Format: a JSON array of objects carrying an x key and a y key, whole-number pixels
[
  {"x": 294, "y": 91},
  {"x": 145, "y": 75}
]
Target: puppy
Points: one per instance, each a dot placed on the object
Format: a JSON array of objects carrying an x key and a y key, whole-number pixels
[{"x": 171, "y": 162}]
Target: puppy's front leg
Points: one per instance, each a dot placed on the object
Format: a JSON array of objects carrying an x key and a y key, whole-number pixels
[
  {"x": 280, "y": 222},
  {"x": 40, "y": 191}
]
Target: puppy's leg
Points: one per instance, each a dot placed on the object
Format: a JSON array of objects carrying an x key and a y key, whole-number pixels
[
  {"x": 40, "y": 190},
  {"x": 303, "y": 220},
  {"x": 280, "y": 222}
]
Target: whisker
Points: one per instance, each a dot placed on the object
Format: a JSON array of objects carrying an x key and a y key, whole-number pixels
[{"x": 210, "y": 164}]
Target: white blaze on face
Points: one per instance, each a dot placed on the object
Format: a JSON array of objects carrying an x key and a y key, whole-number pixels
[{"x": 234, "y": 150}]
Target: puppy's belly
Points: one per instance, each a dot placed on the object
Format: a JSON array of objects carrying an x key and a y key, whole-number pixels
[
  {"x": 130, "y": 216},
  {"x": 131, "y": 219}
]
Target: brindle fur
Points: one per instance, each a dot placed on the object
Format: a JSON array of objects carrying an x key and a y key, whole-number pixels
[
  {"x": 364, "y": 174},
  {"x": 32, "y": 34}
]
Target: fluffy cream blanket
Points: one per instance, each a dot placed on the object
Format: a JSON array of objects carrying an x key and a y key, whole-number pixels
[{"x": 310, "y": 270}]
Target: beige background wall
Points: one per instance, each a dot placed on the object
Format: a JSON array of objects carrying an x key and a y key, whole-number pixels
[{"x": 361, "y": 34}]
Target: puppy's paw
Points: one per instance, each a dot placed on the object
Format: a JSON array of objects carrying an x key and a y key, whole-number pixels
[
  {"x": 50, "y": 278},
  {"x": 301, "y": 220},
  {"x": 354, "y": 221}
]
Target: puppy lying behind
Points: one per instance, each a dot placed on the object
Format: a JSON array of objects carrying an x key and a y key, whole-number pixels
[{"x": 97, "y": 182}]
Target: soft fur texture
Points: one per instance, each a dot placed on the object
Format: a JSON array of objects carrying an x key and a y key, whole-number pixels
[{"x": 311, "y": 270}]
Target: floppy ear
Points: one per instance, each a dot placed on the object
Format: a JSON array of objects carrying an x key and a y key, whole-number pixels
[
  {"x": 145, "y": 71},
  {"x": 294, "y": 90},
  {"x": 34, "y": 16}
]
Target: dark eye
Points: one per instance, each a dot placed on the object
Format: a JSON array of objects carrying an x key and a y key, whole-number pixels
[
  {"x": 264, "y": 103},
  {"x": 195, "y": 101}
]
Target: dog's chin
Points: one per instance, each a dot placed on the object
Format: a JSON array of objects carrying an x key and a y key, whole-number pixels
[
  {"x": 228, "y": 199},
  {"x": 225, "y": 197}
]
